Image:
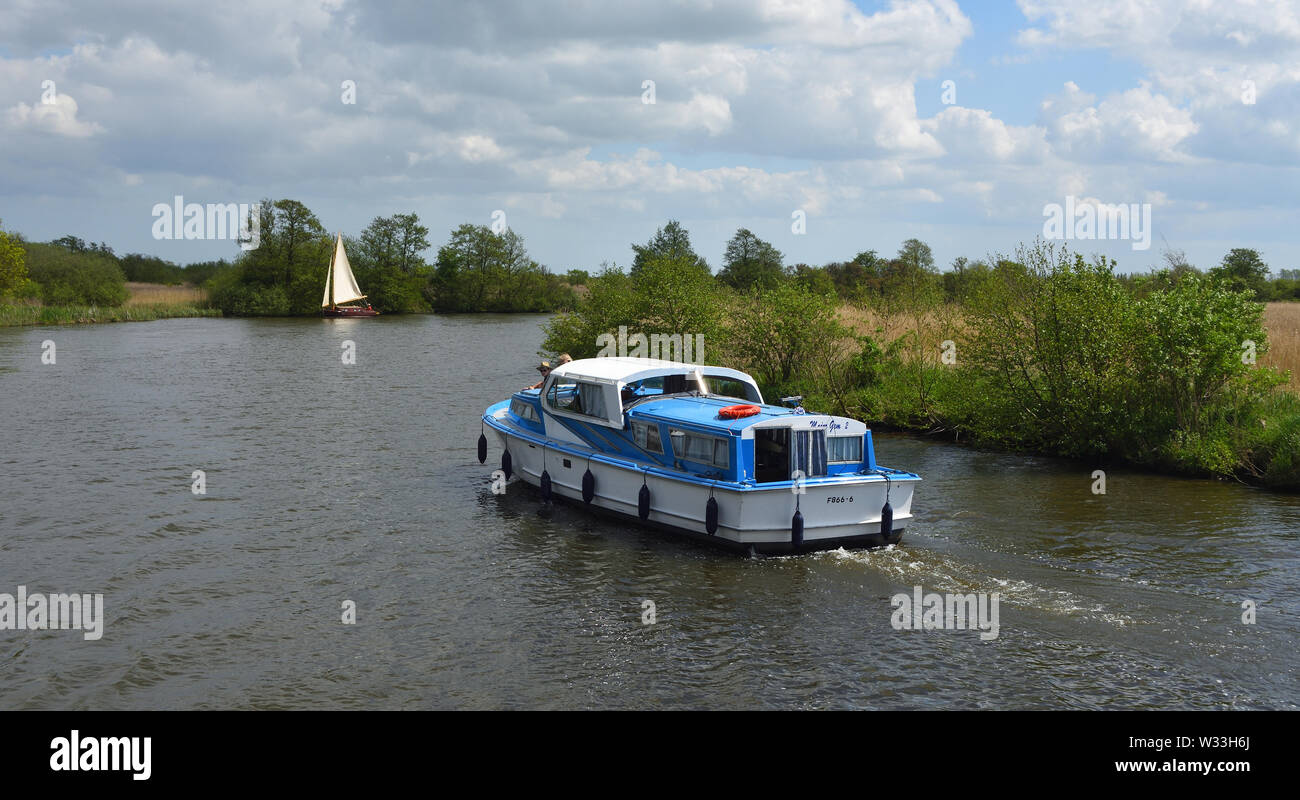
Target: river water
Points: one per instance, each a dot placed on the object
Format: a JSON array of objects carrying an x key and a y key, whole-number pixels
[{"x": 329, "y": 482}]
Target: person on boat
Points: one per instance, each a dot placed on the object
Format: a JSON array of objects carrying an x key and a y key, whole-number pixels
[{"x": 545, "y": 368}]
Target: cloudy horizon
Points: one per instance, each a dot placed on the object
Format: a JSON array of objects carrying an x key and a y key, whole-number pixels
[{"x": 957, "y": 124}]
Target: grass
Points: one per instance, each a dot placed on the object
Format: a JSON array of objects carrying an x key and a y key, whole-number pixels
[
  {"x": 152, "y": 294},
  {"x": 1282, "y": 320},
  {"x": 11, "y": 315},
  {"x": 148, "y": 301}
]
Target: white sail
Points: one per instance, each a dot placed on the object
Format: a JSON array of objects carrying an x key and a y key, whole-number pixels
[{"x": 342, "y": 282}]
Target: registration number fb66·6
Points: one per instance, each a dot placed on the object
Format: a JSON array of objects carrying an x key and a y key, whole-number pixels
[{"x": 848, "y": 499}]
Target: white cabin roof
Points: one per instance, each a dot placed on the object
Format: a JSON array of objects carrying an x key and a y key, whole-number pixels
[{"x": 629, "y": 370}]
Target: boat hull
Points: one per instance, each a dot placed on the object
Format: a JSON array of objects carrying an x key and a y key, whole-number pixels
[
  {"x": 843, "y": 512},
  {"x": 349, "y": 312}
]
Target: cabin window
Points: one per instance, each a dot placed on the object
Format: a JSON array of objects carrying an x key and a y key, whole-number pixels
[
  {"x": 730, "y": 387},
  {"x": 704, "y": 449},
  {"x": 844, "y": 449},
  {"x": 577, "y": 397},
  {"x": 523, "y": 410},
  {"x": 809, "y": 456},
  {"x": 647, "y": 437}
]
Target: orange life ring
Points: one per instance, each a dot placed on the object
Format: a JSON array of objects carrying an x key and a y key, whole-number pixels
[{"x": 736, "y": 412}]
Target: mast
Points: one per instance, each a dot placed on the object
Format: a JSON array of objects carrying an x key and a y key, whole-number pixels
[{"x": 328, "y": 300}]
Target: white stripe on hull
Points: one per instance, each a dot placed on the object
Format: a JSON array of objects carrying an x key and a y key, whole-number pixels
[{"x": 830, "y": 510}]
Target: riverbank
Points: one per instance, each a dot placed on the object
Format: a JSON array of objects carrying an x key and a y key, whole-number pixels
[
  {"x": 20, "y": 315},
  {"x": 145, "y": 302},
  {"x": 1253, "y": 440}
]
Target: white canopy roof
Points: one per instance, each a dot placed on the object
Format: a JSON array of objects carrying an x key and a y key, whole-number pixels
[{"x": 630, "y": 370}]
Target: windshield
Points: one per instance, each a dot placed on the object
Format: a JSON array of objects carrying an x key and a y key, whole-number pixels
[{"x": 730, "y": 387}]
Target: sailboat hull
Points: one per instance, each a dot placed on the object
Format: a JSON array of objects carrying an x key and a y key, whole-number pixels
[{"x": 349, "y": 312}]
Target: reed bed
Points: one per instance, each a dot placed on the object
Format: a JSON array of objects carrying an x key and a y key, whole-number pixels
[
  {"x": 1282, "y": 321},
  {"x": 150, "y": 294},
  {"x": 11, "y": 315}
]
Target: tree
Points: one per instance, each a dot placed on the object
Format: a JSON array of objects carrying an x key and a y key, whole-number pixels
[
  {"x": 479, "y": 270},
  {"x": 395, "y": 243},
  {"x": 386, "y": 260},
  {"x": 674, "y": 296},
  {"x": 298, "y": 237},
  {"x": 815, "y": 279},
  {"x": 609, "y": 302},
  {"x": 671, "y": 241},
  {"x": 1243, "y": 269},
  {"x": 964, "y": 278},
  {"x": 150, "y": 269},
  {"x": 68, "y": 277},
  {"x": 780, "y": 332},
  {"x": 751, "y": 262},
  {"x": 285, "y": 274},
  {"x": 13, "y": 263},
  {"x": 914, "y": 259},
  {"x": 859, "y": 279},
  {"x": 1190, "y": 350},
  {"x": 1052, "y": 336}
]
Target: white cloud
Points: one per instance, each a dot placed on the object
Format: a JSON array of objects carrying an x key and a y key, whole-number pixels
[
  {"x": 975, "y": 135},
  {"x": 58, "y": 117},
  {"x": 761, "y": 107}
]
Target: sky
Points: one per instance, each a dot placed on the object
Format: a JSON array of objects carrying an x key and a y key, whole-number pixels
[{"x": 872, "y": 122}]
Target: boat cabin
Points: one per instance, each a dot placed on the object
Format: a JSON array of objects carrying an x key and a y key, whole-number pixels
[{"x": 710, "y": 422}]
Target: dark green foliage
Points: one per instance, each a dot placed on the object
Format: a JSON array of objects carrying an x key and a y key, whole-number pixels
[
  {"x": 669, "y": 295},
  {"x": 13, "y": 263},
  {"x": 386, "y": 261},
  {"x": 151, "y": 269},
  {"x": 608, "y": 303},
  {"x": 783, "y": 331},
  {"x": 671, "y": 241},
  {"x": 285, "y": 274},
  {"x": 813, "y": 279},
  {"x": 858, "y": 280},
  {"x": 751, "y": 263},
  {"x": 201, "y": 272},
  {"x": 479, "y": 270},
  {"x": 66, "y": 276},
  {"x": 1242, "y": 268}
]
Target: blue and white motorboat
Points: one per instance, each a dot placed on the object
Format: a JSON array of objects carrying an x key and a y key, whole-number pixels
[{"x": 695, "y": 449}]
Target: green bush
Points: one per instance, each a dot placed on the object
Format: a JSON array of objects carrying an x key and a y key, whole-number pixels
[{"x": 88, "y": 278}]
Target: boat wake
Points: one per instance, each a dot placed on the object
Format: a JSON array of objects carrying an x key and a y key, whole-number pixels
[{"x": 939, "y": 572}]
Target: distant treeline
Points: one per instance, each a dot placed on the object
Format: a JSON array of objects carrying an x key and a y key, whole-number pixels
[
  {"x": 476, "y": 270},
  {"x": 479, "y": 270},
  {"x": 69, "y": 271}
]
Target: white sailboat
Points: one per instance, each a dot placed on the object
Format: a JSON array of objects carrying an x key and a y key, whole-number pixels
[{"x": 341, "y": 287}]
